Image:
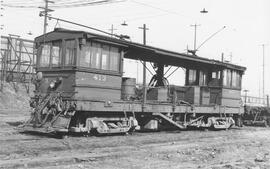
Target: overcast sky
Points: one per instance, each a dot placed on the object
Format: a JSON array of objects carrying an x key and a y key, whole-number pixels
[{"x": 247, "y": 27}]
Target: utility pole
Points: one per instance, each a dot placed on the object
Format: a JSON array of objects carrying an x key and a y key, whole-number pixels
[
  {"x": 267, "y": 100},
  {"x": 195, "y": 35},
  {"x": 144, "y": 66},
  {"x": 112, "y": 29},
  {"x": 45, "y": 13},
  {"x": 263, "y": 71}
]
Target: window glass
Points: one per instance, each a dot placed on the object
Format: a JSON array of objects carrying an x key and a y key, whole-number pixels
[
  {"x": 114, "y": 59},
  {"x": 85, "y": 55},
  {"x": 218, "y": 74},
  {"x": 192, "y": 76},
  {"x": 56, "y": 53},
  {"x": 202, "y": 80},
  {"x": 214, "y": 75},
  {"x": 105, "y": 57},
  {"x": 238, "y": 80},
  {"x": 95, "y": 55},
  {"x": 234, "y": 79},
  {"x": 229, "y": 78},
  {"x": 225, "y": 77},
  {"x": 45, "y": 55},
  {"x": 70, "y": 52},
  {"x": 100, "y": 56}
]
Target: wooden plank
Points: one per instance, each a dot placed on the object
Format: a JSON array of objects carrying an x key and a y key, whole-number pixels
[
  {"x": 231, "y": 93},
  {"x": 150, "y": 107},
  {"x": 95, "y": 79},
  {"x": 97, "y": 93}
]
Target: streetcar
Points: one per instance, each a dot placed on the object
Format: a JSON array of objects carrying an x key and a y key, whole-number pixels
[{"x": 80, "y": 88}]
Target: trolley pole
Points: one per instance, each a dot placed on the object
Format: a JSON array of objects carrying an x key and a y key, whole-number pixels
[{"x": 144, "y": 67}]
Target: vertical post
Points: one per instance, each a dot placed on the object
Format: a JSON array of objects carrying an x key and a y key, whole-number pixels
[
  {"x": 222, "y": 57},
  {"x": 45, "y": 17},
  {"x": 2, "y": 72},
  {"x": 267, "y": 100},
  {"x": 195, "y": 35},
  {"x": 144, "y": 67},
  {"x": 112, "y": 30},
  {"x": 263, "y": 71},
  {"x": 20, "y": 73},
  {"x": 245, "y": 96},
  {"x": 46, "y": 10}
]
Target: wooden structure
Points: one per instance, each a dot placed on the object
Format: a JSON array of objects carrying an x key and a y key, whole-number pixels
[
  {"x": 17, "y": 60},
  {"x": 80, "y": 88}
]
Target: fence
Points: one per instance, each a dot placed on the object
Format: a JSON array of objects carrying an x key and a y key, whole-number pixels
[{"x": 256, "y": 101}]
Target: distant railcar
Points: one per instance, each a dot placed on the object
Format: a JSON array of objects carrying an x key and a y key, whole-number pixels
[
  {"x": 256, "y": 111},
  {"x": 80, "y": 88}
]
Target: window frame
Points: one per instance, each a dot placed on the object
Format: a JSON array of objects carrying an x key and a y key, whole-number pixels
[
  {"x": 192, "y": 77},
  {"x": 40, "y": 63},
  {"x": 97, "y": 63},
  {"x": 65, "y": 53},
  {"x": 229, "y": 81},
  {"x": 60, "y": 54}
]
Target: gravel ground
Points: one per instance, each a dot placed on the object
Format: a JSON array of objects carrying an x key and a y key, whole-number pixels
[{"x": 237, "y": 148}]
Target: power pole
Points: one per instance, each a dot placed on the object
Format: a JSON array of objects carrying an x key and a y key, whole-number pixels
[
  {"x": 195, "y": 35},
  {"x": 263, "y": 71},
  {"x": 112, "y": 29},
  {"x": 45, "y": 13},
  {"x": 144, "y": 66}
]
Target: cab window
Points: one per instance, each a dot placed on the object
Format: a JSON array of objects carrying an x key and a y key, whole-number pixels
[
  {"x": 192, "y": 76},
  {"x": 202, "y": 79},
  {"x": 85, "y": 55},
  {"x": 100, "y": 56},
  {"x": 114, "y": 59},
  {"x": 95, "y": 56},
  {"x": 45, "y": 55},
  {"x": 231, "y": 78},
  {"x": 70, "y": 52},
  {"x": 56, "y": 54},
  {"x": 105, "y": 57},
  {"x": 215, "y": 78}
]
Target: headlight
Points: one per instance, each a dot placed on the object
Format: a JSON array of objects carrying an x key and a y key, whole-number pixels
[{"x": 52, "y": 84}]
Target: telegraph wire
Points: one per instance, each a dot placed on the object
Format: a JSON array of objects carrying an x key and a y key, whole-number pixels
[
  {"x": 63, "y": 4},
  {"x": 158, "y": 8}
]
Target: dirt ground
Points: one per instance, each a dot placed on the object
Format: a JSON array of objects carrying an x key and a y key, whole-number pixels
[{"x": 247, "y": 147}]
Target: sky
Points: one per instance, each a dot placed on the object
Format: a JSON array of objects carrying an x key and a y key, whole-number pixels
[{"x": 247, "y": 27}]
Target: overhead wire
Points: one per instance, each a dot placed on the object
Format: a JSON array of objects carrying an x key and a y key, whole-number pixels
[
  {"x": 160, "y": 9},
  {"x": 62, "y": 4}
]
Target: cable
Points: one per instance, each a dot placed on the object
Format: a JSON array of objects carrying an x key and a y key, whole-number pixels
[
  {"x": 71, "y": 4},
  {"x": 172, "y": 72},
  {"x": 210, "y": 37},
  {"x": 95, "y": 29},
  {"x": 154, "y": 7}
]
